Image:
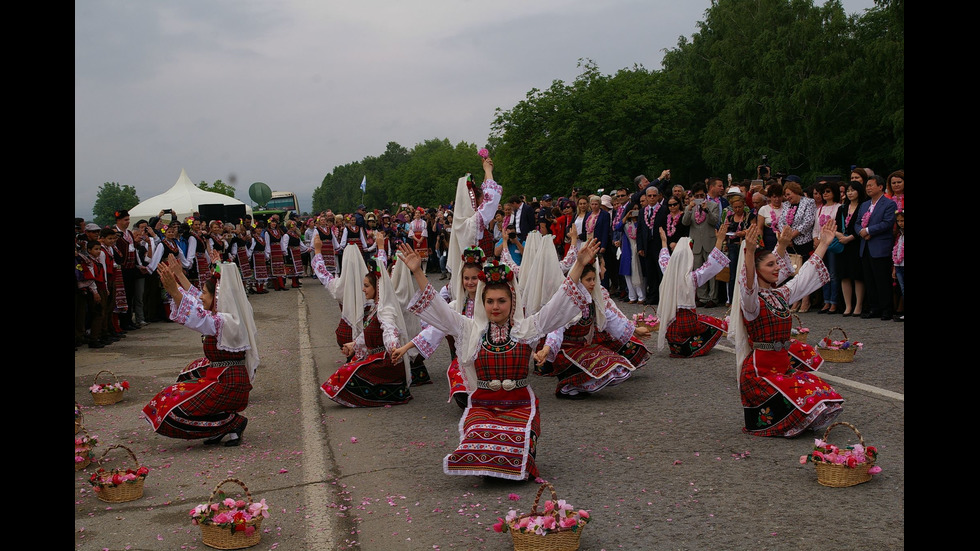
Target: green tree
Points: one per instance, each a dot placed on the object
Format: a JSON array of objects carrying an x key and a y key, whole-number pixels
[
  {"x": 110, "y": 198},
  {"x": 218, "y": 187}
]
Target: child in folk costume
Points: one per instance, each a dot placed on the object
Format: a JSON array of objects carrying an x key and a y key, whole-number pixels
[
  {"x": 781, "y": 396},
  {"x": 494, "y": 350},
  {"x": 210, "y": 392},
  {"x": 260, "y": 262},
  {"x": 419, "y": 233},
  {"x": 371, "y": 378},
  {"x": 689, "y": 335}
]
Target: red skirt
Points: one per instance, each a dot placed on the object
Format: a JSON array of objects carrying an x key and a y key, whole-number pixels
[
  {"x": 498, "y": 433},
  {"x": 371, "y": 382},
  {"x": 203, "y": 403},
  {"x": 691, "y": 335}
]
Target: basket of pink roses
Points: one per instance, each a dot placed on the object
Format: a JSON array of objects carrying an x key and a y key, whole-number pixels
[
  {"x": 557, "y": 528},
  {"x": 840, "y": 467},
  {"x": 229, "y": 523}
]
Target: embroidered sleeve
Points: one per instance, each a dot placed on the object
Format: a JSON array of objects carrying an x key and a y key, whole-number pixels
[
  {"x": 445, "y": 294},
  {"x": 489, "y": 203},
  {"x": 382, "y": 257},
  {"x": 664, "y": 258},
  {"x": 715, "y": 263},
  {"x": 749, "y": 297},
  {"x": 812, "y": 276},
  {"x": 427, "y": 341},
  {"x": 360, "y": 348},
  {"x": 785, "y": 267},
  {"x": 554, "y": 340},
  {"x": 389, "y": 334},
  {"x": 422, "y": 299},
  {"x": 191, "y": 313},
  {"x": 507, "y": 259},
  {"x": 617, "y": 324},
  {"x": 320, "y": 269},
  {"x": 570, "y": 257}
]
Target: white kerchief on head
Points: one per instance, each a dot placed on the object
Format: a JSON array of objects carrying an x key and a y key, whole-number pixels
[
  {"x": 349, "y": 287},
  {"x": 737, "y": 332},
  {"x": 676, "y": 287},
  {"x": 237, "y": 329}
]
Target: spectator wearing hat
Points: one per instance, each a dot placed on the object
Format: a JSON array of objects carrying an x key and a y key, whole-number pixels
[
  {"x": 544, "y": 209},
  {"x": 126, "y": 254},
  {"x": 359, "y": 216}
]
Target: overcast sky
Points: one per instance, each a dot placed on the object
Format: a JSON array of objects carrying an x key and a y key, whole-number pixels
[{"x": 283, "y": 91}]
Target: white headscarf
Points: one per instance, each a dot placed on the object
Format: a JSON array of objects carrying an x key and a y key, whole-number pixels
[
  {"x": 540, "y": 275},
  {"x": 347, "y": 289},
  {"x": 404, "y": 288},
  {"x": 390, "y": 312},
  {"x": 737, "y": 332},
  {"x": 237, "y": 329},
  {"x": 463, "y": 235},
  {"x": 676, "y": 287}
]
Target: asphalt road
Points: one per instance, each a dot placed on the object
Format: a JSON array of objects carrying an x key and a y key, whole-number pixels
[{"x": 660, "y": 460}]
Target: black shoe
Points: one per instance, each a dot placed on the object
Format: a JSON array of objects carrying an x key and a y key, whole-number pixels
[
  {"x": 237, "y": 441},
  {"x": 900, "y": 316},
  {"x": 868, "y": 315},
  {"x": 886, "y": 316},
  {"x": 95, "y": 344},
  {"x": 214, "y": 441},
  {"x": 130, "y": 327},
  {"x": 710, "y": 304},
  {"x": 120, "y": 335}
]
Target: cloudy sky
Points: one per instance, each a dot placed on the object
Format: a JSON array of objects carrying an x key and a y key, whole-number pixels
[{"x": 283, "y": 91}]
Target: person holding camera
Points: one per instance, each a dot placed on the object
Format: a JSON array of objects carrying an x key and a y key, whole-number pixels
[
  {"x": 702, "y": 216},
  {"x": 515, "y": 246}
]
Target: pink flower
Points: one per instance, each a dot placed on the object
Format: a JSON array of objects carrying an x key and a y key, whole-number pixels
[
  {"x": 499, "y": 525},
  {"x": 524, "y": 522},
  {"x": 514, "y": 497},
  {"x": 249, "y": 530},
  {"x": 549, "y": 506},
  {"x": 874, "y": 470},
  {"x": 222, "y": 518},
  {"x": 215, "y": 506},
  {"x": 483, "y": 152},
  {"x": 583, "y": 513},
  {"x": 568, "y": 522},
  {"x": 239, "y": 504},
  {"x": 353, "y": 440},
  {"x": 549, "y": 523},
  {"x": 228, "y": 502},
  {"x": 802, "y": 460}
]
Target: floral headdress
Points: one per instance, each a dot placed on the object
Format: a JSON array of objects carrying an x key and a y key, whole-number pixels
[
  {"x": 473, "y": 255},
  {"x": 189, "y": 221},
  {"x": 496, "y": 273}
]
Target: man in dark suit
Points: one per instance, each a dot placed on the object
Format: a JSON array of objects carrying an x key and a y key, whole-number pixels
[
  {"x": 523, "y": 216},
  {"x": 876, "y": 219},
  {"x": 653, "y": 215}
]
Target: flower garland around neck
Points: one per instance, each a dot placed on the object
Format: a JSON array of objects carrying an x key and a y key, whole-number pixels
[
  {"x": 672, "y": 220},
  {"x": 700, "y": 214},
  {"x": 631, "y": 230},
  {"x": 590, "y": 224},
  {"x": 650, "y": 214},
  {"x": 866, "y": 218},
  {"x": 791, "y": 213},
  {"x": 898, "y": 252}
]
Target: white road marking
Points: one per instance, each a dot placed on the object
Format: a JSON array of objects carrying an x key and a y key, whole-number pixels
[
  {"x": 842, "y": 381},
  {"x": 315, "y": 490}
]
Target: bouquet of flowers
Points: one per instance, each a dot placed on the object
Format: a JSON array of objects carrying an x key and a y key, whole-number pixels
[
  {"x": 118, "y": 485},
  {"x": 83, "y": 450},
  {"x": 842, "y": 466},
  {"x": 109, "y": 387},
  {"x": 559, "y": 521},
  {"x": 229, "y": 523}
]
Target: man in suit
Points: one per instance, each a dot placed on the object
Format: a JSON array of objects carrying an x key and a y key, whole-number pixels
[
  {"x": 702, "y": 217},
  {"x": 653, "y": 215},
  {"x": 876, "y": 219},
  {"x": 523, "y": 218}
]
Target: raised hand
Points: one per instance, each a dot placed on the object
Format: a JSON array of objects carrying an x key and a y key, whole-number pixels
[
  {"x": 663, "y": 237},
  {"x": 317, "y": 243},
  {"x": 588, "y": 252},
  {"x": 215, "y": 257},
  {"x": 828, "y": 231},
  {"x": 409, "y": 257},
  {"x": 785, "y": 238},
  {"x": 751, "y": 239}
]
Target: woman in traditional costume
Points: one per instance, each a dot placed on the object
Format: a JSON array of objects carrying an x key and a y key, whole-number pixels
[
  {"x": 210, "y": 392},
  {"x": 689, "y": 335},
  {"x": 781, "y": 396},
  {"x": 501, "y": 423},
  {"x": 370, "y": 378}
]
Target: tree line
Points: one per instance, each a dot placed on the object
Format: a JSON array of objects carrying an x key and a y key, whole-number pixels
[{"x": 812, "y": 88}]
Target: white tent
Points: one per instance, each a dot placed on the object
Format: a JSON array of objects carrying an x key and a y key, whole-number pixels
[{"x": 184, "y": 198}]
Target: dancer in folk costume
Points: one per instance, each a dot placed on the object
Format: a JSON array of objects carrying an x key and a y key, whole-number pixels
[
  {"x": 210, "y": 392},
  {"x": 294, "y": 247},
  {"x": 371, "y": 378},
  {"x": 260, "y": 262},
  {"x": 781, "y": 395},
  {"x": 215, "y": 239},
  {"x": 584, "y": 354},
  {"x": 689, "y": 335},
  {"x": 419, "y": 233},
  {"x": 197, "y": 254},
  {"x": 501, "y": 423},
  {"x": 325, "y": 229},
  {"x": 275, "y": 254},
  {"x": 242, "y": 247},
  {"x": 474, "y": 205}
]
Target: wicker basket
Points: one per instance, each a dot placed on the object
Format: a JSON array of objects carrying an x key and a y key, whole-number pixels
[
  {"x": 224, "y": 538},
  {"x": 106, "y": 398},
  {"x": 79, "y": 421},
  {"x": 837, "y": 356},
  {"x": 81, "y": 465},
  {"x": 841, "y": 476},
  {"x": 654, "y": 327},
  {"x": 564, "y": 539},
  {"x": 800, "y": 337},
  {"x": 127, "y": 491}
]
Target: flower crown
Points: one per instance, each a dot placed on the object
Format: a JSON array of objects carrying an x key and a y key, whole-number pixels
[
  {"x": 377, "y": 266},
  {"x": 496, "y": 273},
  {"x": 473, "y": 255}
]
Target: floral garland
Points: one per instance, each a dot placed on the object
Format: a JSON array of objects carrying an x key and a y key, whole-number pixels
[
  {"x": 557, "y": 516},
  {"x": 650, "y": 214},
  {"x": 496, "y": 273},
  {"x": 791, "y": 214},
  {"x": 631, "y": 230},
  {"x": 852, "y": 457},
  {"x": 672, "y": 220},
  {"x": 898, "y": 252},
  {"x": 102, "y": 479},
  {"x": 231, "y": 514},
  {"x": 99, "y": 388},
  {"x": 700, "y": 214}
]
